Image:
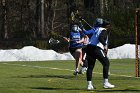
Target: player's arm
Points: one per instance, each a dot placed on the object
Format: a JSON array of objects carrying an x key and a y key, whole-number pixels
[
  {"x": 86, "y": 40},
  {"x": 83, "y": 37},
  {"x": 66, "y": 39},
  {"x": 88, "y": 32},
  {"x": 103, "y": 39},
  {"x": 81, "y": 41}
]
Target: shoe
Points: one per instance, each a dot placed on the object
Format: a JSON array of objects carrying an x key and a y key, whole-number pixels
[
  {"x": 75, "y": 73},
  {"x": 90, "y": 87},
  {"x": 108, "y": 85},
  {"x": 82, "y": 70}
]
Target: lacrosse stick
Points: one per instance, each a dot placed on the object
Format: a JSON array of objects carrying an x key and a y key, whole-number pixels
[
  {"x": 86, "y": 23},
  {"x": 53, "y": 41},
  {"x": 56, "y": 41}
]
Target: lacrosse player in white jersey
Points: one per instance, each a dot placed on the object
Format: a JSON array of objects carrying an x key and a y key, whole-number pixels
[{"x": 97, "y": 49}]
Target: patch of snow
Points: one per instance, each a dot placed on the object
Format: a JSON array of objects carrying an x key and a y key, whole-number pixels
[{"x": 31, "y": 53}]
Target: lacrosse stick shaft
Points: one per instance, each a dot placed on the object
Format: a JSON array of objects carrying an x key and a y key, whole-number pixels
[{"x": 87, "y": 23}]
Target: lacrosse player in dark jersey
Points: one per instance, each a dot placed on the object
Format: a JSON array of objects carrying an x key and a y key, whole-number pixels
[{"x": 76, "y": 39}]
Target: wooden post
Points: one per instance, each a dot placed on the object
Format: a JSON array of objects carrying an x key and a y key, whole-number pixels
[{"x": 136, "y": 32}]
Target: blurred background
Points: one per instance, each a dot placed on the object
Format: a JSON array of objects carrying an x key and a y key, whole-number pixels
[{"x": 34, "y": 22}]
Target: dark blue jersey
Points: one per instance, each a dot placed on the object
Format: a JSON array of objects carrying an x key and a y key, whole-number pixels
[{"x": 74, "y": 37}]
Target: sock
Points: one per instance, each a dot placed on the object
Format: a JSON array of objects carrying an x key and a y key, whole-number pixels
[
  {"x": 105, "y": 80},
  {"x": 89, "y": 82},
  {"x": 77, "y": 69}
]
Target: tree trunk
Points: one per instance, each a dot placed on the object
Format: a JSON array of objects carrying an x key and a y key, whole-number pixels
[
  {"x": 5, "y": 19},
  {"x": 102, "y": 7},
  {"x": 42, "y": 20},
  {"x": 37, "y": 18},
  {"x": 89, "y": 4},
  {"x": 21, "y": 16},
  {"x": 54, "y": 14},
  {"x": 106, "y": 5}
]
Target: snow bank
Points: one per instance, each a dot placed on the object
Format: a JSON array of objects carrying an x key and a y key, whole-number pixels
[
  {"x": 30, "y": 53},
  {"x": 125, "y": 51}
]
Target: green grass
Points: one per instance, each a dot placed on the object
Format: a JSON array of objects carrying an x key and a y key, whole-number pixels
[{"x": 57, "y": 77}]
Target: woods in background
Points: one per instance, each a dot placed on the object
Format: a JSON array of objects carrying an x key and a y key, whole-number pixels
[{"x": 32, "y": 22}]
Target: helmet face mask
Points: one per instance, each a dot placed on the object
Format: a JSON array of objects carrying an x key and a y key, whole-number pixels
[
  {"x": 98, "y": 22},
  {"x": 101, "y": 23},
  {"x": 75, "y": 28}
]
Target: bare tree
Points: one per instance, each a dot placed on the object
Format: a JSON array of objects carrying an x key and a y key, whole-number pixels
[
  {"x": 89, "y": 4},
  {"x": 54, "y": 4},
  {"x": 42, "y": 19},
  {"x": 102, "y": 7},
  {"x": 4, "y": 12},
  {"x": 106, "y": 4},
  {"x": 37, "y": 19}
]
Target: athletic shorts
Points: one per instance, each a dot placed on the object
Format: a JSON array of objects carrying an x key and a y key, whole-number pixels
[
  {"x": 72, "y": 50},
  {"x": 84, "y": 48}
]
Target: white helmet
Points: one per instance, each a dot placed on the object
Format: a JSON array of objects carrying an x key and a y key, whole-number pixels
[
  {"x": 100, "y": 22},
  {"x": 75, "y": 28}
]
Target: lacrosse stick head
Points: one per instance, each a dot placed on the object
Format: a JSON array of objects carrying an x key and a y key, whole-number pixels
[{"x": 53, "y": 41}]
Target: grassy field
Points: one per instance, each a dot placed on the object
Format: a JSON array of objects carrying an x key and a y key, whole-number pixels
[{"x": 57, "y": 77}]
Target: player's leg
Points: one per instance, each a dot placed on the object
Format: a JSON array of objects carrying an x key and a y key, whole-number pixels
[
  {"x": 105, "y": 62},
  {"x": 72, "y": 51},
  {"x": 78, "y": 58},
  {"x": 85, "y": 63},
  {"x": 91, "y": 63},
  {"x": 84, "y": 58}
]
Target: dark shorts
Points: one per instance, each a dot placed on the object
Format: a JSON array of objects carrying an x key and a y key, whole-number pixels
[
  {"x": 84, "y": 49},
  {"x": 72, "y": 50},
  {"x": 95, "y": 52}
]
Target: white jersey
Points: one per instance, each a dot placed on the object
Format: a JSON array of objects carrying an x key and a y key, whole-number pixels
[{"x": 94, "y": 40}]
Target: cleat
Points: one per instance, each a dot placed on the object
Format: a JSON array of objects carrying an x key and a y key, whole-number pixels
[
  {"x": 108, "y": 85},
  {"x": 82, "y": 70},
  {"x": 90, "y": 87},
  {"x": 75, "y": 73}
]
